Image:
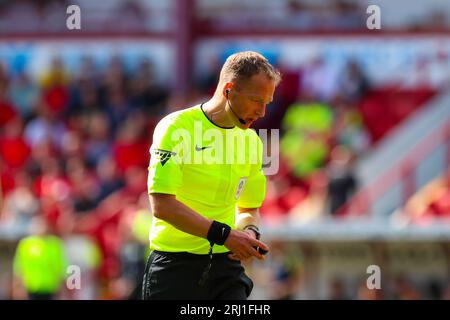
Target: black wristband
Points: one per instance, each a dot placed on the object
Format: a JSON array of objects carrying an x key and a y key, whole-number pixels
[{"x": 218, "y": 232}]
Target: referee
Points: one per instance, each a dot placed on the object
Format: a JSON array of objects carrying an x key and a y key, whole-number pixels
[{"x": 206, "y": 213}]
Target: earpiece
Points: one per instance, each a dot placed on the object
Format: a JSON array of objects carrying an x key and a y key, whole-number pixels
[{"x": 240, "y": 119}]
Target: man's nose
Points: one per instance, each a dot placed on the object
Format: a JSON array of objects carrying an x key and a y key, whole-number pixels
[{"x": 262, "y": 111}]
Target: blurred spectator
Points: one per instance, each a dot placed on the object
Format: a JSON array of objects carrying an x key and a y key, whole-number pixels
[
  {"x": 98, "y": 143},
  {"x": 305, "y": 143},
  {"x": 23, "y": 94},
  {"x": 349, "y": 130},
  {"x": 132, "y": 144},
  {"x": 353, "y": 83},
  {"x": 85, "y": 188},
  {"x": 404, "y": 289},
  {"x": 118, "y": 107},
  {"x": 20, "y": 205},
  {"x": 446, "y": 292},
  {"x": 341, "y": 178},
  {"x": 40, "y": 263},
  {"x": 337, "y": 289},
  {"x": 208, "y": 79},
  {"x": 83, "y": 252},
  {"x": 428, "y": 204},
  {"x": 146, "y": 94},
  {"x": 286, "y": 272},
  {"x": 312, "y": 208},
  {"x": 54, "y": 82},
  {"x": 109, "y": 178},
  {"x": 7, "y": 109},
  {"x": 320, "y": 82},
  {"x": 129, "y": 16},
  {"x": 13, "y": 148},
  {"x": 134, "y": 228},
  {"x": 46, "y": 125},
  {"x": 364, "y": 293},
  {"x": 434, "y": 289}
]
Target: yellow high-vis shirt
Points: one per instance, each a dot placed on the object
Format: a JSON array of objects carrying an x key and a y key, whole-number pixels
[
  {"x": 40, "y": 263},
  {"x": 208, "y": 168}
]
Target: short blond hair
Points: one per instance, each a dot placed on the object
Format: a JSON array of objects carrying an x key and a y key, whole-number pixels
[{"x": 243, "y": 65}]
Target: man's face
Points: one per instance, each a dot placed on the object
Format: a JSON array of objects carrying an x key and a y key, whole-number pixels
[{"x": 249, "y": 98}]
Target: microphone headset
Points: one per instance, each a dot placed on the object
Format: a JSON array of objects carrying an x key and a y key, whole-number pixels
[{"x": 229, "y": 103}]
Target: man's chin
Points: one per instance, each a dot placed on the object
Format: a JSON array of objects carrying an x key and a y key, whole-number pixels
[{"x": 244, "y": 126}]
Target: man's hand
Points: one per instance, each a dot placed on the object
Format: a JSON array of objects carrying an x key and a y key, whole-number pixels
[{"x": 242, "y": 245}]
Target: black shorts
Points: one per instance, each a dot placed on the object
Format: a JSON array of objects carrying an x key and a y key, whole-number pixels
[{"x": 176, "y": 276}]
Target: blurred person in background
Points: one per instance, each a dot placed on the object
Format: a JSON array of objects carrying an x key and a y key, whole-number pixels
[
  {"x": 320, "y": 81},
  {"x": 430, "y": 203},
  {"x": 364, "y": 293},
  {"x": 109, "y": 178},
  {"x": 305, "y": 143},
  {"x": 146, "y": 93},
  {"x": 39, "y": 263},
  {"x": 98, "y": 140},
  {"x": 353, "y": 83},
  {"x": 337, "y": 289},
  {"x": 312, "y": 207},
  {"x": 285, "y": 263},
  {"x": 82, "y": 251},
  {"x": 46, "y": 125},
  {"x": 20, "y": 205},
  {"x": 130, "y": 147},
  {"x": 134, "y": 227},
  {"x": 404, "y": 289},
  {"x": 84, "y": 186},
  {"x": 341, "y": 178},
  {"x": 446, "y": 292},
  {"x": 24, "y": 95},
  {"x": 14, "y": 149},
  {"x": 54, "y": 87},
  {"x": 7, "y": 109}
]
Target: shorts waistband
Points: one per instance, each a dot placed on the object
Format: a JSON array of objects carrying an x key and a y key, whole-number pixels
[{"x": 189, "y": 255}]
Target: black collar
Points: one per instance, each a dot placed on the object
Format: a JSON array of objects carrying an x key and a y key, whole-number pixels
[{"x": 201, "y": 108}]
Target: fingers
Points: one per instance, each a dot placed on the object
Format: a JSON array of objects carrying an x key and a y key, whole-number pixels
[
  {"x": 236, "y": 257},
  {"x": 259, "y": 244},
  {"x": 247, "y": 254},
  {"x": 244, "y": 246},
  {"x": 256, "y": 253}
]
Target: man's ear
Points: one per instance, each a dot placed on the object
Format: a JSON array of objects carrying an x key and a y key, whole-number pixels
[{"x": 227, "y": 89}]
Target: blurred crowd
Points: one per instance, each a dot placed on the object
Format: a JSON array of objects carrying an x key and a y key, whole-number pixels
[{"x": 74, "y": 153}]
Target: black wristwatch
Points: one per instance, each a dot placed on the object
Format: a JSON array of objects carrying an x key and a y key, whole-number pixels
[{"x": 255, "y": 229}]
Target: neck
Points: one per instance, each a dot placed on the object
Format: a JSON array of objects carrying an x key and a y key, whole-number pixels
[{"x": 215, "y": 111}]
